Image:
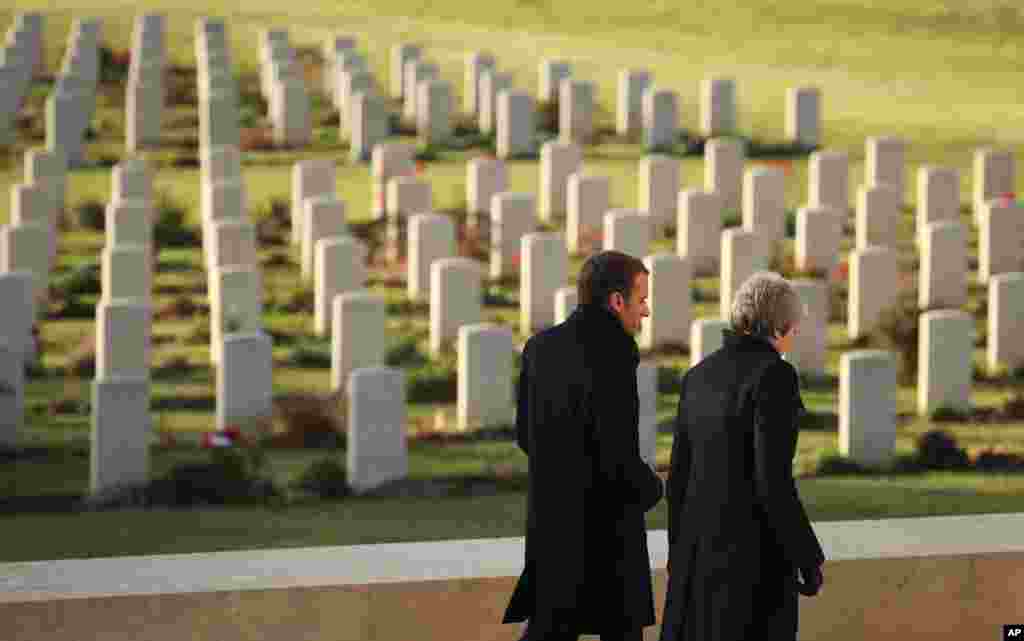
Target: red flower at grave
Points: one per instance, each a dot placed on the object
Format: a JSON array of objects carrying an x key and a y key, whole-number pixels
[
  {"x": 517, "y": 258},
  {"x": 841, "y": 271},
  {"x": 420, "y": 166}
]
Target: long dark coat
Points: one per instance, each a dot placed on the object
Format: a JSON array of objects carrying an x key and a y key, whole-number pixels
[
  {"x": 587, "y": 567},
  {"x": 737, "y": 529}
]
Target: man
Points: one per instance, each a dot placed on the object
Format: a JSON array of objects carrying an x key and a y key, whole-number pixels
[
  {"x": 738, "y": 534},
  {"x": 587, "y": 569}
]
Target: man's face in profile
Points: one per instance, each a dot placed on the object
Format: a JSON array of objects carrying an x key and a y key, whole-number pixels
[{"x": 632, "y": 312}]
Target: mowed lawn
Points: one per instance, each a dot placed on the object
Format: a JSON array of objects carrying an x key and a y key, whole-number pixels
[{"x": 945, "y": 77}]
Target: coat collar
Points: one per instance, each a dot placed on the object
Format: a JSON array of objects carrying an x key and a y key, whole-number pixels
[
  {"x": 733, "y": 339},
  {"x": 604, "y": 326}
]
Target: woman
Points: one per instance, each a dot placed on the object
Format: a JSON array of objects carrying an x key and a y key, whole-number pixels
[{"x": 740, "y": 543}]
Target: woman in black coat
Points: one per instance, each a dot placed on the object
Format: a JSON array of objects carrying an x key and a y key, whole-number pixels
[{"x": 740, "y": 543}]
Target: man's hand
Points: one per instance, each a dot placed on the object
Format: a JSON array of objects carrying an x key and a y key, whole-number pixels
[{"x": 811, "y": 580}]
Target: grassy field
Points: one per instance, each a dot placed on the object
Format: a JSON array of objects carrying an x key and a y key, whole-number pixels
[
  {"x": 368, "y": 521},
  {"x": 945, "y": 76}
]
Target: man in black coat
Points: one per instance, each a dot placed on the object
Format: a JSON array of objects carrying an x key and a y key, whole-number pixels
[
  {"x": 587, "y": 569},
  {"x": 738, "y": 533}
]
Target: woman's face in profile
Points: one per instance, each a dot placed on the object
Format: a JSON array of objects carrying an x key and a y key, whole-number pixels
[{"x": 785, "y": 342}]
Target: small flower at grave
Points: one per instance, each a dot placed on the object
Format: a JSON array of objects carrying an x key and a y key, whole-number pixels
[
  {"x": 420, "y": 166},
  {"x": 215, "y": 439},
  {"x": 841, "y": 271}
]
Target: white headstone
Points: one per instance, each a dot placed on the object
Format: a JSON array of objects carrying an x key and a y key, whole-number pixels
[
  {"x": 492, "y": 82},
  {"x": 309, "y": 178},
  {"x": 377, "y": 451},
  {"x": 515, "y": 124},
  {"x": 819, "y": 232},
  {"x": 123, "y": 330},
  {"x": 126, "y": 272},
  {"x": 660, "y": 118},
  {"x": 658, "y": 191},
  {"x": 1005, "y": 321},
  {"x": 943, "y": 272},
  {"x": 120, "y": 431},
  {"x": 587, "y": 202},
  {"x": 358, "y": 333},
  {"x": 723, "y": 171},
  {"x": 513, "y": 215},
  {"x": 543, "y": 271},
  {"x": 874, "y": 287},
  {"x": 699, "y": 230},
  {"x": 341, "y": 268},
  {"x": 558, "y": 161},
  {"x": 576, "y": 100},
  {"x": 455, "y": 298},
  {"x": 324, "y": 218},
  {"x": 944, "y": 369},
  {"x": 803, "y": 116},
  {"x": 431, "y": 237},
  {"x": 669, "y": 301},
  {"x": 647, "y": 394},
  {"x": 884, "y": 164},
  {"x": 627, "y": 231},
  {"x": 718, "y": 107},
  {"x": 629, "y": 113},
  {"x": 938, "y": 196},
  {"x": 867, "y": 406},
  {"x": 829, "y": 179},
  {"x": 484, "y": 396},
  {"x": 878, "y": 216},
  {"x": 12, "y": 392},
  {"x": 1000, "y": 239},
  {"x": 245, "y": 383}
]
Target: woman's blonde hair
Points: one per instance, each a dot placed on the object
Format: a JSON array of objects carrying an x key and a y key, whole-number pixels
[{"x": 766, "y": 305}]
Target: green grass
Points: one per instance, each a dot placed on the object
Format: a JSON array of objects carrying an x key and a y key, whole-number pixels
[
  {"x": 944, "y": 76},
  {"x": 368, "y": 521}
]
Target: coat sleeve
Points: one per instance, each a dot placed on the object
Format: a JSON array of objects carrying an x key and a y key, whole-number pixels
[
  {"x": 679, "y": 474},
  {"x": 777, "y": 406},
  {"x": 618, "y": 448},
  {"x": 522, "y": 414}
]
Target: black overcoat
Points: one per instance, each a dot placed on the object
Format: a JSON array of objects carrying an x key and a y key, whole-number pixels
[
  {"x": 737, "y": 529},
  {"x": 587, "y": 567}
]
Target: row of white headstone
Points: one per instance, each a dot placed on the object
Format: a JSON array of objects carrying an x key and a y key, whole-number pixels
[
  {"x": 363, "y": 117},
  {"x": 21, "y": 58},
  {"x": 121, "y": 427},
  {"x": 284, "y": 88},
  {"x": 240, "y": 350},
  {"x": 218, "y": 89},
  {"x": 145, "y": 93},
  {"x": 731, "y": 253},
  {"x": 28, "y": 247},
  {"x": 71, "y": 105}
]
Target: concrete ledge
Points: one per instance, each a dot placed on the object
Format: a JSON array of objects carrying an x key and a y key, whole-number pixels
[{"x": 935, "y": 578}]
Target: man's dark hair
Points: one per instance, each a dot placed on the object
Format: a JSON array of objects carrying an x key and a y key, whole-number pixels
[{"x": 607, "y": 272}]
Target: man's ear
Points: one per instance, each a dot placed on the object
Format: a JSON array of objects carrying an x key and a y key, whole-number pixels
[{"x": 611, "y": 300}]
